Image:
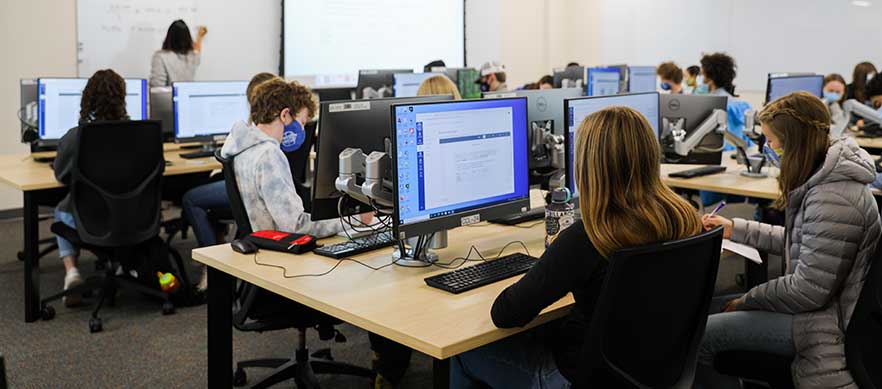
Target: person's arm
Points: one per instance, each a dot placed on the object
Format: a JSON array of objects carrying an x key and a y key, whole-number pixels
[
  {"x": 832, "y": 231},
  {"x": 276, "y": 188},
  {"x": 197, "y": 45},
  {"x": 64, "y": 158},
  {"x": 565, "y": 265},
  {"x": 158, "y": 74},
  {"x": 762, "y": 236}
]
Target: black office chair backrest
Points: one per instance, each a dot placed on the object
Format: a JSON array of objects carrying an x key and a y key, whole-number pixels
[
  {"x": 116, "y": 182},
  {"x": 298, "y": 160},
  {"x": 863, "y": 338},
  {"x": 237, "y": 206},
  {"x": 651, "y": 313}
]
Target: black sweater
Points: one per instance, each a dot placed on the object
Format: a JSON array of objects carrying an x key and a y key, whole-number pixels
[{"x": 570, "y": 264}]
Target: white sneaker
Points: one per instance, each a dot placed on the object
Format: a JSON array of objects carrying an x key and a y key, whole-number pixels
[
  {"x": 72, "y": 279},
  {"x": 203, "y": 280}
]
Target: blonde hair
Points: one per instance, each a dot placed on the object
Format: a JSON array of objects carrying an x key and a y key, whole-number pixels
[
  {"x": 622, "y": 198},
  {"x": 438, "y": 85}
]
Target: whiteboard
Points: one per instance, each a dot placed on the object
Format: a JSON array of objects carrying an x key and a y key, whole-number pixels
[{"x": 244, "y": 37}]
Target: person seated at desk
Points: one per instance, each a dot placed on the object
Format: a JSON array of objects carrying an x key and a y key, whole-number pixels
[
  {"x": 834, "y": 96},
  {"x": 833, "y": 228},
  {"x": 104, "y": 98},
  {"x": 691, "y": 77},
  {"x": 628, "y": 205},
  {"x": 671, "y": 77},
  {"x": 492, "y": 77},
  {"x": 860, "y": 77}
]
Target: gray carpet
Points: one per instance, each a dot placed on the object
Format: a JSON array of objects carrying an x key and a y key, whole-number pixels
[{"x": 141, "y": 348}]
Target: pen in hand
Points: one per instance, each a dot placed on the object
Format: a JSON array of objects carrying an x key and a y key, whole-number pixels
[{"x": 717, "y": 209}]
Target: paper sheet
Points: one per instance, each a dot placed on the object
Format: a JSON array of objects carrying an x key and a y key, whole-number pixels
[{"x": 742, "y": 250}]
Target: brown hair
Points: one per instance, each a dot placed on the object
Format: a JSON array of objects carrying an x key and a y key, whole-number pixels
[
  {"x": 438, "y": 85},
  {"x": 801, "y": 122},
  {"x": 837, "y": 78},
  {"x": 104, "y": 97},
  {"x": 670, "y": 71},
  {"x": 623, "y": 200},
  {"x": 271, "y": 97},
  {"x": 255, "y": 81},
  {"x": 859, "y": 79}
]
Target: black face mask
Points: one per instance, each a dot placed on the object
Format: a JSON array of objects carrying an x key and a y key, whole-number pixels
[{"x": 485, "y": 87}]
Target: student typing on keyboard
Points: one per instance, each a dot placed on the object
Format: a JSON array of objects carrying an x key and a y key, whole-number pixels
[{"x": 627, "y": 206}]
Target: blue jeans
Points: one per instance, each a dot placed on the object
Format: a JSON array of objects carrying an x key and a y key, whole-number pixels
[
  {"x": 760, "y": 331},
  {"x": 65, "y": 248},
  {"x": 520, "y": 361},
  {"x": 195, "y": 203}
]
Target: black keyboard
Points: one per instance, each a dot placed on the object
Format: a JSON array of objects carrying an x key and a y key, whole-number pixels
[
  {"x": 699, "y": 171},
  {"x": 356, "y": 246},
  {"x": 484, "y": 273},
  {"x": 518, "y": 218},
  {"x": 198, "y": 154}
]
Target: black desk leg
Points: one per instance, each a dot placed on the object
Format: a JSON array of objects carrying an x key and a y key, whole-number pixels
[
  {"x": 441, "y": 373},
  {"x": 31, "y": 259},
  {"x": 220, "y": 329}
]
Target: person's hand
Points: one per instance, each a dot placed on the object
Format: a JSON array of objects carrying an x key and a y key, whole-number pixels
[
  {"x": 710, "y": 222},
  {"x": 366, "y": 218},
  {"x": 860, "y": 123},
  {"x": 202, "y": 31},
  {"x": 733, "y": 305}
]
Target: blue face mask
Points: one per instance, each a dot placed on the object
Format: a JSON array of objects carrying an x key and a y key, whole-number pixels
[
  {"x": 700, "y": 87},
  {"x": 772, "y": 155},
  {"x": 665, "y": 86},
  {"x": 292, "y": 137},
  {"x": 831, "y": 97}
]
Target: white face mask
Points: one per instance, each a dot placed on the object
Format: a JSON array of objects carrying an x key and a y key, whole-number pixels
[{"x": 870, "y": 77}]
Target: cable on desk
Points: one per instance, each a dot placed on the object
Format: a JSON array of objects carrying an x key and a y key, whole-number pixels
[
  {"x": 341, "y": 260},
  {"x": 474, "y": 249}
]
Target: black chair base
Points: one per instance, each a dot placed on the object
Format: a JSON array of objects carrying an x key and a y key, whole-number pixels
[{"x": 756, "y": 369}]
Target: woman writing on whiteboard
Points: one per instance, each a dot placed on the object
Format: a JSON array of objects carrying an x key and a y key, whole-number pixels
[{"x": 179, "y": 57}]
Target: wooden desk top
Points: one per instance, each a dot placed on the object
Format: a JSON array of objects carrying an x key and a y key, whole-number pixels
[
  {"x": 23, "y": 173},
  {"x": 869, "y": 143},
  {"x": 394, "y": 301}
]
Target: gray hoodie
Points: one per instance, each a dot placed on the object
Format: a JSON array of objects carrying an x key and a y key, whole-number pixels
[
  {"x": 265, "y": 183},
  {"x": 832, "y": 228}
]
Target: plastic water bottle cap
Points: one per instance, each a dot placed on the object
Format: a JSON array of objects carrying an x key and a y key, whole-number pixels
[{"x": 560, "y": 195}]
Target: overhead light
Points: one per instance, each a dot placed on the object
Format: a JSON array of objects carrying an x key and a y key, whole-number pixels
[{"x": 861, "y": 3}]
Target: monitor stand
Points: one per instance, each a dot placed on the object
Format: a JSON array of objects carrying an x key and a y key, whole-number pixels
[{"x": 419, "y": 253}]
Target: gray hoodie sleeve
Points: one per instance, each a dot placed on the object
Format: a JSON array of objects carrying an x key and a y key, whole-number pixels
[
  {"x": 832, "y": 231},
  {"x": 762, "y": 236},
  {"x": 158, "y": 73},
  {"x": 277, "y": 190}
]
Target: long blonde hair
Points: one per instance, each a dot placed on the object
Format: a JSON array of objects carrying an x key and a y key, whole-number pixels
[
  {"x": 438, "y": 85},
  {"x": 622, "y": 198}
]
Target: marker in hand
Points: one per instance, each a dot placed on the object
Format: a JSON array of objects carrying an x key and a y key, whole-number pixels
[{"x": 717, "y": 209}]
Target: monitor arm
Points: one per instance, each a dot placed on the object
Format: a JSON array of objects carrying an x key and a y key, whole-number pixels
[
  {"x": 377, "y": 164},
  {"x": 716, "y": 122},
  {"x": 546, "y": 147},
  {"x": 352, "y": 166},
  {"x": 854, "y": 107},
  {"x": 750, "y": 124}
]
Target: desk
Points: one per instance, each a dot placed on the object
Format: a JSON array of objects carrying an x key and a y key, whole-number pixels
[
  {"x": 869, "y": 143},
  {"x": 393, "y": 302},
  {"x": 36, "y": 181}
]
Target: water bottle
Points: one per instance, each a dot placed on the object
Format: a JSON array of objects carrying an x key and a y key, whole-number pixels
[{"x": 559, "y": 215}]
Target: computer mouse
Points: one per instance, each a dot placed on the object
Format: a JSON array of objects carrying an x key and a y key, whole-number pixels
[{"x": 243, "y": 246}]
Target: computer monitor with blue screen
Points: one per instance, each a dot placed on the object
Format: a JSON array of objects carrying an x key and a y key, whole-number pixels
[
  {"x": 578, "y": 109},
  {"x": 641, "y": 79},
  {"x": 207, "y": 109},
  {"x": 781, "y": 86},
  {"x": 602, "y": 81},
  {"x": 59, "y": 104},
  {"x": 407, "y": 84},
  {"x": 458, "y": 163}
]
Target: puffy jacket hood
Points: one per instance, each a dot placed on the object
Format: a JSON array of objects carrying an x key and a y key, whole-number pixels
[{"x": 243, "y": 137}]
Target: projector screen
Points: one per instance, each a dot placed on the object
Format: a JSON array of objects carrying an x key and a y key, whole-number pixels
[{"x": 326, "y": 42}]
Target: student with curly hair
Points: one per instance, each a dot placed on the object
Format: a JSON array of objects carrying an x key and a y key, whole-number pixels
[{"x": 104, "y": 98}]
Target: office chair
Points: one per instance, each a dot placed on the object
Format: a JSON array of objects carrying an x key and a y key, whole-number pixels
[
  {"x": 115, "y": 191},
  {"x": 298, "y": 160},
  {"x": 863, "y": 344},
  {"x": 257, "y": 310},
  {"x": 650, "y": 315}
]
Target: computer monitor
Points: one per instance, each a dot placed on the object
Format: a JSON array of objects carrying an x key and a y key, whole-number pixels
[
  {"x": 334, "y": 94},
  {"x": 578, "y": 109},
  {"x": 465, "y": 81},
  {"x": 407, "y": 84},
  {"x": 781, "y": 86},
  {"x": 59, "y": 104},
  {"x": 162, "y": 109},
  {"x": 690, "y": 111},
  {"x": 641, "y": 79},
  {"x": 569, "y": 77},
  {"x": 206, "y": 110},
  {"x": 458, "y": 163},
  {"x": 357, "y": 124},
  {"x": 376, "y": 83},
  {"x": 602, "y": 81}
]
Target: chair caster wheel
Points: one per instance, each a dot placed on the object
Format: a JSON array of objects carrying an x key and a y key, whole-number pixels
[
  {"x": 47, "y": 313},
  {"x": 168, "y": 308},
  {"x": 239, "y": 377},
  {"x": 95, "y": 325}
]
